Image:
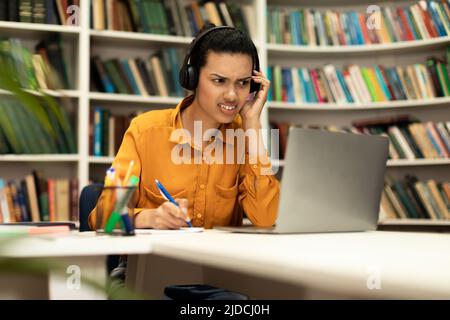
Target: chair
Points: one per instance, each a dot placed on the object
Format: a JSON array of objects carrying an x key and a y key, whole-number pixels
[{"x": 88, "y": 200}]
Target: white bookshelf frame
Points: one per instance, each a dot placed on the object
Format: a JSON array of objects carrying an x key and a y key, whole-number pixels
[{"x": 85, "y": 99}]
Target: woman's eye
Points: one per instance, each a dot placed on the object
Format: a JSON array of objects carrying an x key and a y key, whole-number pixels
[
  {"x": 218, "y": 80},
  {"x": 243, "y": 82}
]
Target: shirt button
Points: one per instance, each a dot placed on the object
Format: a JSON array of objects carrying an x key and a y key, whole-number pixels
[
  {"x": 199, "y": 215},
  {"x": 255, "y": 166},
  {"x": 202, "y": 186}
]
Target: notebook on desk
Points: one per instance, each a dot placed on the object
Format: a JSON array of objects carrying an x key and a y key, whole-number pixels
[{"x": 332, "y": 182}]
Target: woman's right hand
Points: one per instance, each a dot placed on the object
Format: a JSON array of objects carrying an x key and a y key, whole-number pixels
[{"x": 166, "y": 216}]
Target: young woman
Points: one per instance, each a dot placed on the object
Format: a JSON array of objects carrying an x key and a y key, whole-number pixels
[{"x": 219, "y": 68}]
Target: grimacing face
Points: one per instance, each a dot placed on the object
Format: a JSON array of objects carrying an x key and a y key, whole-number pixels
[{"x": 224, "y": 85}]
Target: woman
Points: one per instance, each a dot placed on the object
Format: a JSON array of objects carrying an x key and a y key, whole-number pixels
[{"x": 209, "y": 190}]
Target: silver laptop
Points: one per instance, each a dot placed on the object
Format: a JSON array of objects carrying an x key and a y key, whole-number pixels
[{"x": 332, "y": 182}]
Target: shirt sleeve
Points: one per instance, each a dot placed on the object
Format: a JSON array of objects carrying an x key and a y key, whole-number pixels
[
  {"x": 259, "y": 191},
  {"x": 127, "y": 152}
]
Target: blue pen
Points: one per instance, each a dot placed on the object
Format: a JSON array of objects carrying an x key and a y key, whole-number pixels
[{"x": 168, "y": 197}]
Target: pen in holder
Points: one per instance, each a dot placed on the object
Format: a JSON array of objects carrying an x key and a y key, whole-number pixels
[{"x": 115, "y": 210}]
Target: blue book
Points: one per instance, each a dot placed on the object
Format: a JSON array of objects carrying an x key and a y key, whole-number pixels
[
  {"x": 446, "y": 17},
  {"x": 98, "y": 131},
  {"x": 129, "y": 75},
  {"x": 306, "y": 85},
  {"x": 301, "y": 24},
  {"x": 433, "y": 142},
  {"x": 294, "y": 28},
  {"x": 287, "y": 80},
  {"x": 173, "y": 58},
  {"x": 441, "y": 134},
  {"x": 396, "y": 76},
  {"x": 269, "y": 76},
  {"x": 436, "y": 19},
  {"x": 144, "y": 22},
  {"x": 383, "y": 83},
  {"x": 352, "y": 31},
  {"x": 394, "y": 84},
  {"x": 340, "y": 77},
  {"x": 355, "y": 22},
  {"x": 344, "y": 19}
]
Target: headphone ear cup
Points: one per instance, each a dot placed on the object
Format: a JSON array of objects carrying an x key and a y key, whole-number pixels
[{"x": 191, "y": 77}]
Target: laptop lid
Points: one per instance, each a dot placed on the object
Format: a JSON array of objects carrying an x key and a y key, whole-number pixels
[{"x": 332, "y": 181}]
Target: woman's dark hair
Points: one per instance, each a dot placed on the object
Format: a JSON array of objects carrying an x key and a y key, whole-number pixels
[{"x": 220, "y": 41}]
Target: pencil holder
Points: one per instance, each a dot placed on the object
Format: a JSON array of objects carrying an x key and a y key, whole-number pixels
[{"x": 115, "y": 211}]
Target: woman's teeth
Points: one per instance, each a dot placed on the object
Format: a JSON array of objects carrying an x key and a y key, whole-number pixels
[{"x": 227, "y": 107}]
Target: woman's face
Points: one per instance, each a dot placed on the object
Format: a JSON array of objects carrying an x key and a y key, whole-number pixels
[{"x": 224, "y": 85}]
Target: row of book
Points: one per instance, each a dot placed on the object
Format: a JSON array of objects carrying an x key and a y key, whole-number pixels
[
  {"x": 410, "y": 198},
  {"x": 172, "y": 17},
  {"x": 36, "y": 198},
  {"x": 157, "y": 75},
  {"x": 408, "y": 138},
  {"x": 38, "y": 11},
  {"x": 41, "y": 128},
  {"x": 106, "y": 131},
  {"x": 359, "y": 84},
  {"x": 44, "y": 69},
  {"x": 385, "y": 24}
]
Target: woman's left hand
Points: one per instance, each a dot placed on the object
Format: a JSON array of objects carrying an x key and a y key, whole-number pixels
[{"x": 251, "y": 111}]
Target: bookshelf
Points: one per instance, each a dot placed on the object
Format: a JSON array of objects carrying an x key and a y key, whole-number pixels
[{"x": 86, "y": 42}]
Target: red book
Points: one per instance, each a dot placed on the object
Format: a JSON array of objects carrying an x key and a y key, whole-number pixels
[
  {"x": 428, "y": 22},
  {"x": 51, "y": 199},
  {"x": 405, "y": 24},
  {"x": 313, "y": 75},
  {"x": 362, "y": 23}
]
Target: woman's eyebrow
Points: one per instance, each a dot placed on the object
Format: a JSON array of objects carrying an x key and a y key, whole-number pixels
[{"x": 220, "y": 76}]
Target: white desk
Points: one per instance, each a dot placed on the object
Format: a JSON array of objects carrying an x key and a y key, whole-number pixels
[
  {"x": 333, "y": 265},
  {"x": 406, "y": 265},
  {"x": 66, "y": 257}
]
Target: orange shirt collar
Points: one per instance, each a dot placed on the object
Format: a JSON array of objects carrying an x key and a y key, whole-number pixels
[{"x": 176, "y": 123}]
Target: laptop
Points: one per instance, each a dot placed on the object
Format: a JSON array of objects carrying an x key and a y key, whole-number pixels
[{"x": 332, "y": 182}]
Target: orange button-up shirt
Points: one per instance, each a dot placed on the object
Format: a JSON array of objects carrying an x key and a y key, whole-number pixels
[{"x": 216, "y": 192}]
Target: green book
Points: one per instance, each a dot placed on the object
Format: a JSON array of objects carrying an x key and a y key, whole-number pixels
[
  {"x": 114, "y": 75},
  {"x": 278, "y": 83},
  {"x": 398, "y": 187},
  {"x": 397, "y": 146},
  {"x": 366, "y": 77},
  {"x": 414, "y": 24},
  {"x": 443, "y": 78}
]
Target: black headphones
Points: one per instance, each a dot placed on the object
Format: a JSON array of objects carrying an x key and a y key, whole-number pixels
[{"x": 189, "y": 74}]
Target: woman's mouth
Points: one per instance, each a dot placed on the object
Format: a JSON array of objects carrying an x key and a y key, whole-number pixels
[{"x": 228, "y": 109}]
